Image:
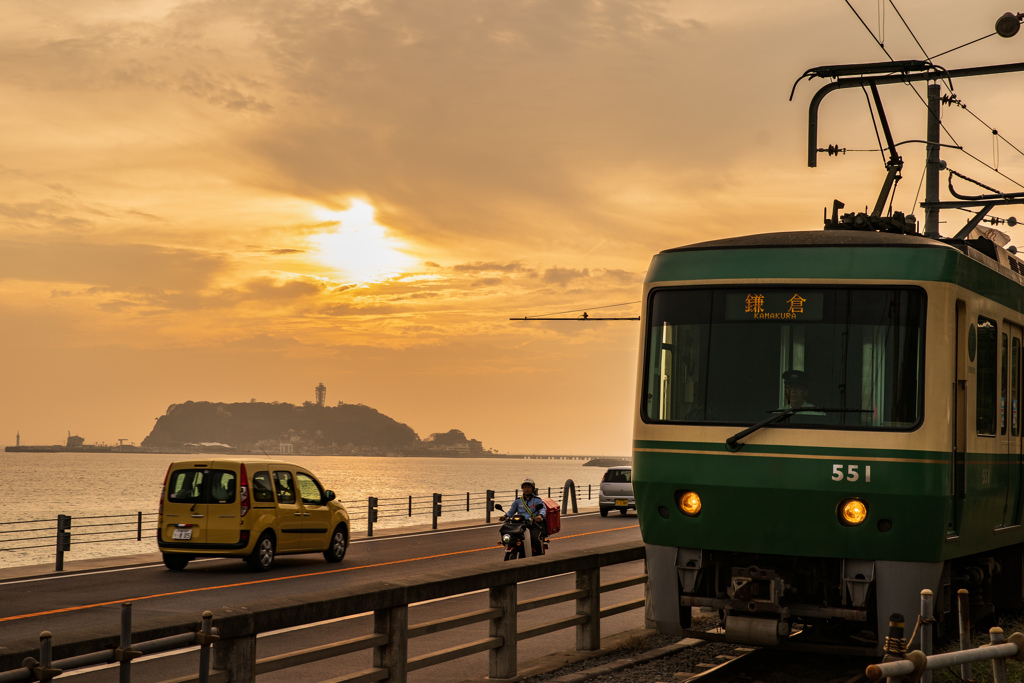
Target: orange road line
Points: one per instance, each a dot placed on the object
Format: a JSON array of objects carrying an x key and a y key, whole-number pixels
[{"x": 285, "y": 578}]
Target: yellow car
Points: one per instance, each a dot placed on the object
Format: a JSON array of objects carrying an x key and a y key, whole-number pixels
[{"x": 253, "y": 509}]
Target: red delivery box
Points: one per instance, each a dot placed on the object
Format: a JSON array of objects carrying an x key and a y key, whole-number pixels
[{"x": 554, "y": 516}]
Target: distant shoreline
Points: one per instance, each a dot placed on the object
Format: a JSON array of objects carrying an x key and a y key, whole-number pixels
[{"x": 594, "y": 460}]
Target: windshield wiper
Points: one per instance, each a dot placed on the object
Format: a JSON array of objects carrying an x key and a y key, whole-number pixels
[{"x": 782, "y": 414}]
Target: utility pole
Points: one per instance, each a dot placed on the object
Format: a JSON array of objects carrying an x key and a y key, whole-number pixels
[{"x": 932, "y": 164}]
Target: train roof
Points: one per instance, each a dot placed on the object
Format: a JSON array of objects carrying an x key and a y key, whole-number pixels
[
  {"x": 817, "y": 238},
  {"x": 845, "y": 253}
]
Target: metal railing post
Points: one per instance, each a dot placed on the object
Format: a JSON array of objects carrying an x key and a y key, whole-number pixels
[
  {"x": 139, "y": 527},
  {"x": 489, "y": 506},
  {"x": 996, "y": 637},
  {"x": 237, "y": 656},
  {"x": 963, "y": 601},
  {"x": 569, "y": 490},
  {"x": 125, "y": 654},
  {"x": 895, "y": 643},
  {"x": 410, "y": 506},
  {"x": 588, "y": 634},
  {"x": 502, "y": 660},
  {"x": 63, "y": 540},
  {"x": 393, "y": 655},
  {"x": 436, "y": 509},
  {"x": 927, "y": 610},
  {"x": 45, "y": 670},
  {"x": 205, "y": 637},
  {"x": 371, "y": 515}
]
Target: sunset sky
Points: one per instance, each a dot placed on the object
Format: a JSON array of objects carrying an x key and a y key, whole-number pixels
[{"x": 227, "y": 200}]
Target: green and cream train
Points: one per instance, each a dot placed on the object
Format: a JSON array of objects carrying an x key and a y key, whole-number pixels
[{"x": 829, "y": 422}]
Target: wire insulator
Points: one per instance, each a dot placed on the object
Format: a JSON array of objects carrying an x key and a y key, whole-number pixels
[
  {"x": 951, "y": 101},
  {"x": 833, "y": 150}
]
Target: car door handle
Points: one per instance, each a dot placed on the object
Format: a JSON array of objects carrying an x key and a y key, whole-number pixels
[
  {"x": 198, "y": 516},
  {"x": 305, "y": 514},
  {"x": 298, "y": 514}
]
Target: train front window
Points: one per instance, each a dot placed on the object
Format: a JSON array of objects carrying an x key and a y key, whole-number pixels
[{"x": 843, "y": 357}]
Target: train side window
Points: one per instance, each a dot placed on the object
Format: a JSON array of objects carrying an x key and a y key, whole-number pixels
[
  {"x": 1015, "y": 386},
  {"x": 1003, "y": 370},
  {"x": 988, "y": 377}
]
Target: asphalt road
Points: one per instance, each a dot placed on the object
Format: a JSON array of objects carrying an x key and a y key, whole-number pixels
[{"x": 66, "y": 603}]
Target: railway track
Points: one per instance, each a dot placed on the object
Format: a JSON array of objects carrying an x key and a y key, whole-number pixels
[
  {"x": 779, "y": 666},
  {"x": 715, "y": 662}
]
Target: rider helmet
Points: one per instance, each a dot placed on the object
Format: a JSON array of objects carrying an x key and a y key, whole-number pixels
[{"x": 528, "y": 481}]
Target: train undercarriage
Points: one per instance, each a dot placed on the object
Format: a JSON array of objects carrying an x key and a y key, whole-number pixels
[{"x": 762, "y": 599}]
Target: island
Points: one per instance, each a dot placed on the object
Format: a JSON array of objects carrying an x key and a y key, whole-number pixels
[{"x": 286, "y": 429}]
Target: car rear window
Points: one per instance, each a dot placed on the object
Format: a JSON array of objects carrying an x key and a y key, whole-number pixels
[
  {"x": 619, "y": 476},
  {"x": 204, "y": 486}
]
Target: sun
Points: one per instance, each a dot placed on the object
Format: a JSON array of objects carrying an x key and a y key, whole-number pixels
[{"x": 359, "y": 248}]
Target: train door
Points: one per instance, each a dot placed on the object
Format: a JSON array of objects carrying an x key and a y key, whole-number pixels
[
  {"x": 964, "y": 346},
  {"x": 1010, "y": 419}
]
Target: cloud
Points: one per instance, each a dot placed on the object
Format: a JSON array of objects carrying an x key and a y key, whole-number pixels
[
  {"x": 514, "y": 267},
  {"x": 563, "y": 276},
  {"x": 117, "y": 267},
  {"x": 205, "y": 87}
]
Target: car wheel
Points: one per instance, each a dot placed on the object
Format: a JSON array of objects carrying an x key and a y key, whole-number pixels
[
  {"x": 176, "y": 562},
  {"x": 339, "y": 544},
  {"x": 262, "y": 556},
  {"x": 604, "y": 512}
]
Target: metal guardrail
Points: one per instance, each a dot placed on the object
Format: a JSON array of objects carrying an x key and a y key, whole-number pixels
[
  {"x": 46, "y": 669},
  {"x": 917, "y": 665},
  {"x": 234, "y": 646},
  {"x": 68, "y": 531},
  {"x": 35, "y": 534}
]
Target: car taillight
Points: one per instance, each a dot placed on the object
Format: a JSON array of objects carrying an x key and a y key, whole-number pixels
[
  {"x": 163, "y": 491},
  {"x": 243, "y": 494}
]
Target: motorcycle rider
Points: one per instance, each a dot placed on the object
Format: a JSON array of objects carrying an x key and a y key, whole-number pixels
[{"x": 530, "y": 506}]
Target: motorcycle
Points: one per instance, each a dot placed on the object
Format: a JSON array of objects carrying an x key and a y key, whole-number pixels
[{"x": 515, "y": 536}]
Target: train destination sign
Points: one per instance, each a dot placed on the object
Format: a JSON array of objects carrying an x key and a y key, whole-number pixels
[{"x": 774, "y": 305}]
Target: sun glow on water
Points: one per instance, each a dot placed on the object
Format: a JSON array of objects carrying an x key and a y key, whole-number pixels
[{"x": 359, "y": 248}]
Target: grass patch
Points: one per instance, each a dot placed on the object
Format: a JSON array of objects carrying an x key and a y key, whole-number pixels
[{"x": 982, "y": 671}]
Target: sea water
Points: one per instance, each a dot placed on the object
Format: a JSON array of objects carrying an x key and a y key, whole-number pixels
[{"x": 89, "y": 487}]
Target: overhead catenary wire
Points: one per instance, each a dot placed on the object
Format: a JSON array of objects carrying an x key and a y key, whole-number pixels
[
  {"x": 868, "y": 29},
  {"x": 585, "y": 316},
  {"x": 923, "y": 101},
  {"x": 943, "y": 54},
  {"x": 910, "y": 31},
  {"x": 953, "y": 100}
]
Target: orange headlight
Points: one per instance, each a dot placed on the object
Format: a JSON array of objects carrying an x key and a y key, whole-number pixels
[
  {"x": 853, "y": 512},
  {"x": 689, "y": 504}
]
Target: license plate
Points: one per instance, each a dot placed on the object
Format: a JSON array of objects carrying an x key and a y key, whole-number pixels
[
  {"x": 621, "y": 502},
  {"x": 182, "y": 535}
]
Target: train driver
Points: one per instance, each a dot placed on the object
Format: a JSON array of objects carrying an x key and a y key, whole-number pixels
[{"x": 797, "y": 387}]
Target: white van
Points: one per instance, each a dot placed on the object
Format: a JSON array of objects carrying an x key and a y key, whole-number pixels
[{"x": 616, "y": 490}]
